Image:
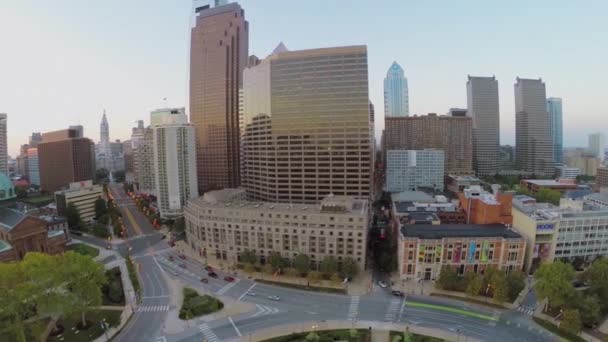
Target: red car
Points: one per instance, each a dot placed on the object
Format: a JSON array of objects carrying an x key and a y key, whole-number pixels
[
  {"x": 209, "y": 268},
  {"x": 181, "y": 256},
  {"x": 229, "y": 279}
]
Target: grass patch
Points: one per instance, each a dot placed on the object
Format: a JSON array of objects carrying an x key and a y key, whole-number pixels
[
  {"x": 195, "y": 305},
  {"x": 351, "y": 335},
  {"x": 556, "y": 330},
  {"x": 414, "y": 337},
  {"x": 133, "y": 275},
  {"x": 83, "y": 249},
  {"x": 303, "y": 287},
  {"x": 113, "y": 293},
  {"x": 94, "y": 318},
  {"x": 32, "y": 330},
  {"x": 450, "y": 309},
  {"x": 470, "y": 300}
]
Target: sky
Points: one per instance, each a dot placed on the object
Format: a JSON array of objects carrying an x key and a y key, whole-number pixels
[{"x": 63, "y": 62}]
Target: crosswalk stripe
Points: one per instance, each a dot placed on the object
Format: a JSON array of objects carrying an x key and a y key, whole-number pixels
[{"x": 208, "y": 333}]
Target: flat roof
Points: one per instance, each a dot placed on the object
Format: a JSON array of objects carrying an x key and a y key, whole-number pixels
[
  {"x": 438, "y": 231},
  {"x": 54, "y": 233},
  {"x": 549, "y": 182},
  {"x": 412, "y": 196}
]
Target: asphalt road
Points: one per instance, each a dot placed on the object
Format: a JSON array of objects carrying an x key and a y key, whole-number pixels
[{"x": 135, "y": 221}]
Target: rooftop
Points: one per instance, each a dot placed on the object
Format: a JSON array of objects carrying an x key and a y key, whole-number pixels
[
  {"x": 439, "y": 231},
  {"x": 9, "y": 218},
  {"x": 55, "y": 233},
  {"x": 412, "y": 196},
  {"x": 551, "y": 182},
  {"x": 5, "y": 246}
]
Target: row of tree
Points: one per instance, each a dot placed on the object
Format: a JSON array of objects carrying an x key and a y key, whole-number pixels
[
  {"x": 576, "y": 307},
  {"x": 46, "y": 286}
]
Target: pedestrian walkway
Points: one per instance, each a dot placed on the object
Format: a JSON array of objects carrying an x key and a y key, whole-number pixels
[
  {"x": 392, "y": 310},
  {"x": 210, "y": 336},
  {"x": 153, "y": 308},
  {"x": 526, "y": 310},
  {"x": 353, "y": 309}
]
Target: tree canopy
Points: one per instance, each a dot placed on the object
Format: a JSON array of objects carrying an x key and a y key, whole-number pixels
[
  {"x": 302, "y": 263},
  {"x": 554, "y": 282},
  {"x": 72, "y": 215}
]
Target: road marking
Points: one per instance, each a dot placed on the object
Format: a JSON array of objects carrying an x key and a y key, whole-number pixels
[
  {"x": 161, "y": 339},
  {"x": 451, "y": 309},
  {"x": 264, "y": 310},
  {"x": 226, "y": 287},
  {"x": 353, "y": 309},
  {"x": 402, "y": 307},
  {"x": 134, "y": 223},
  {"x": 392, "y": 310},
  {"x": 153, "y": 308},
  {"x": 157, "y": 264},
  {"x": 151, "y": 297},
  {"x": 208, "y": 333},
  {"x": 234, "y": 326},
  {"x": 244, "y": 293}
]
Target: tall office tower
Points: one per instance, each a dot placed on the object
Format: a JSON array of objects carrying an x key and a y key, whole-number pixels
[
  {"x": 174, "y": 160},
  {"x": 3, "y": 145},
  {"x": 64, "y": 158},
  {"x": 144, "y": 159},
  {"x": 554, "y": 107},
  {"x": 596, "y": 144},
  {"x": 396, "y": 95},
  {"x": 34, "y": 139},
  {"x": 218, "y": 54},
  {"x": 307, "y": 125},
  {"x": 482, "y": 103},
  {"x": 104, "y": 130},
  {"x": 33, "y": 166},
  {"x": 533, "y": 140},
  {"x": 78, "y": 128},
  {"x": 452, "y": 134}
]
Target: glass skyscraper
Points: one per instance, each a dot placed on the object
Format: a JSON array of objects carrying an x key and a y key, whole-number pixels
[
  {"x": 396, "y": 98},
  {"x": 554, "y": 107}
]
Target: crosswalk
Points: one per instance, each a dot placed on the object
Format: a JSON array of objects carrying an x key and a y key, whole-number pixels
[
  {"x": 263, "y": 310},
  {"x": 526, "y": 310},
  {"x": 161, "y": 339},
  {"x": 210, "y": 336},
  {"x": 392, "y": 311},
  {"x": 153, "y": 308},
  {"x": 226, "y": 287},
  {"x": 353, "y": 309}
]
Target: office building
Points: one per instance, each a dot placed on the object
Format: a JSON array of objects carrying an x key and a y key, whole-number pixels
[
  {"x": 174, "y": 160},
  {"x": 457, "y": 184},
  {"x": 457, "y": 112},
  {"x": 144, "y": 159},
  {"x": 3, "y": 144},
  {"x": 82, "y": 195},
  {"x": 64, "y": 158},
  {"x": 601, "y": 178},
  {"x": 566, "y": 172},
  {"x": 482, "y": 103},
  {"x": 222, "y": 224},
  {"x": 554, "y": 107},
  {"x": 482, "y": 207},
  {"x": 79, "y": 129},
  {"x": 218, "y": 54},
  {"x": 582, "y": 159},
  {"x": 452, "y": 134},
  {"x": 396, "y": 97},
  {"x": 301, "y": 144},
  {"x": 33, "y": 166},
  {"x": 411, "y": 170},
  {"x": 597, "y": 142},
  {"x": 533, "y": 140},
  {"x": 131, "y": 153}
]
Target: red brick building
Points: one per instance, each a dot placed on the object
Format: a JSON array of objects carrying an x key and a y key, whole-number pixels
[
  {"x": 561, "y": 185},
  {"x": 481, "y": 207}
]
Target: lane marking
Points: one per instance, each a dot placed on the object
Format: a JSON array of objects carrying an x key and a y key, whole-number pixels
[
  {"x": 134, "y": 223},
  {"x": 244, "y": 293},
  {"x": 234, "y": 326},
  {"x": 452, "y": 310},
  {"x": 151, "y": 297}
]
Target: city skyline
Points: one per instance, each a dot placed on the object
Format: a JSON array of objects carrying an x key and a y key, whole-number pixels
[{"x": 80, "y": 77}]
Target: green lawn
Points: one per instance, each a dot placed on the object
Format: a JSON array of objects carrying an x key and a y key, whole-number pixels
[
  {"x": 556, "y": 330},
  {"x": 195, "y": 305},
  {"x": 38, "y": 200},
  {"x": 72, "y": 334},
  {"x": 83, "y": 249},
  {"x": 355, "y": 335}
]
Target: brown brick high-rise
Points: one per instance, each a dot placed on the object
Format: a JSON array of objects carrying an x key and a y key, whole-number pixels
[{"x": 218, "y": 54}]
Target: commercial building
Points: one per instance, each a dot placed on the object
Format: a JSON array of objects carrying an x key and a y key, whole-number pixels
[
  {"x": 416, "y": 207},
  {"x": 396, "y": 97},
  {"x": 561, "y": 185},
  {"x": 601, "y": 179},
  {"x": 83, "y": 195},
  {"x": 144, "y": 163},
  {"x": 424, "y": 249},
  {"x": 482, "y": 103},
  {"x": 174, "y": 160},
  {"x": 223, "y": 224},
  {"x": 533, "y": 140},
  {"x": 33, "y": 166},
  {"x": 554, "y": 107},
  {"x": 65, "y": 158},
  {"x": 597, "y": 141},
  {"x": 21, "y": 234},
  {"x": 482, "y": 207},
  {"x": 3, "y": 144},
  {"x": 218, "y": 54},
  {"x": 583, "y": 160},
  {"x": 410, "y": 170},
  {"x": 566, "y": 172},
  {"x": 307, "y": 126},
  {"x": 452, "y": 134},
  {"x": 457, "y": 184}
]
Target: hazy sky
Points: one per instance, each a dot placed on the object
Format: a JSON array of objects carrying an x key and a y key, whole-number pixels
[{"x": 63, "y": 61}]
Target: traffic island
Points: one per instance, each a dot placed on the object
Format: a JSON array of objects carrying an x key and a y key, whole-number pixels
[{"x": 195, "y": 305}]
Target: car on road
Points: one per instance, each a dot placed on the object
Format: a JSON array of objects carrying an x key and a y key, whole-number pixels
[
  {"x": 182, "y": 265},
  {"x": 204, "y": 280},
  {"x": 229, "y": 279},
  {"x": 174, "y": 273},
  {"x": 249, "y": 293},
  {"x": 208, "y": 268},
  {"x": 181, "y": 256},
  {"x": 382, "y": 284},
  {"x": 171, "y": 258},
  {"x": 398, "y": 294},
  {"x": 212, "y": 274},
  {"x": 277, "y": 298}
]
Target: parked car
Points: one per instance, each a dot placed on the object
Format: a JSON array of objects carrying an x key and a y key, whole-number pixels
[
  {"x": 181, "y": 256},
  {"x": 182, "y": 265},
  {"x": 208, "y": 268},
  {"x": 249, "y": 293},
  {"x": 212, "y": 274},
  {"x": 277, "y": 298},
  {"x": 382, "y": 284},
  {"x": 229, "y": 279},
  {"x": 171, "y": 258},
  {"x": 397, "y": 293},
  {"x": 204, "y": 280}
]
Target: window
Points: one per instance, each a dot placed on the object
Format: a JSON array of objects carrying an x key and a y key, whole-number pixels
[{"x": 409, "y": 269}]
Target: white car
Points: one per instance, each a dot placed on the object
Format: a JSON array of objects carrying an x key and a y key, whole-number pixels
[
  {"x": 249, "y": 293},
  {"x": 274, "y": 297},
  {"x": 382, "y": 284}
]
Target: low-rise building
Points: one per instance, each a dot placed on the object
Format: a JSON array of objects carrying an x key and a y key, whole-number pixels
[
  {"x": 567, "y": 172},
  {"x": 482, "y": 207},
  {"x": 83, "y": 195},
  {"x": 424, "y": 249},
  {"x": 222, "y": 224},
  {"x": 561, "y": 185},
  {"x": 457, "y": 183},
  {"x": 601, "y": 178},
  {"x": 416, "y": 207}
]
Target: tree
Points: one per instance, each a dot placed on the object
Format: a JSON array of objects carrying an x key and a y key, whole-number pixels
[
  {"x": 571, "y": 321},
  {"x": 350, "y": 268},
  {"x": 329, "y": 265},
  {"x": 314, "y": 277},
  {"x": 554, "y": 282},
  {"x": 100, "y": 208},
  {"x": 249, "y": 257},
  {"x": 276, "y": 261},
  {"x": 500, "y": 289},
  {"x": 302, "y": 263},
  {"x": 72, "y": 215},
  {"x": 447, "y": 278},
  {"x": 590, "y": 310},
  {"x": 596, "y": 277},
  {"x": 312, "y": 336},
  {"x": 101, "y": 175},
  {"x": 548, "y": 195},
  {"x": 15, "y": 298},
  {"x": 119, "y": 176},
  {"x": 474, "y": 285},
  {"x": 21, "y": 191},
  {"x": 516, "y": 282}
]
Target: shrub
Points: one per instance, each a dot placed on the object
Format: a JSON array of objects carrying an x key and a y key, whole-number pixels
[{"x": 195, "y": 305}]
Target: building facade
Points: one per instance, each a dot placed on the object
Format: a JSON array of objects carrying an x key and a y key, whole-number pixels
[
  {"x": 218, "y": 54},
  {"x": 410, "y": 170},
  {"x": 533, "y": 140},
  {"x": 452, "y": 134},
  {"x": 561, "y": 185},
  {"x": 33, "y": 166},
  {"x": 566, "y": 172},
  {"x": 299, "y": 143},
  {"x": 482, "y": 103},
  {"x": 223, "y": 224},
  {"x": 3, "y": 144},
  {"x": 396, "y": 93},
  {"x": 144, "y": 159},
  {"x": 482, "y": 207},
  {"x": 597, "y": 141},
  {"x": 83, "y": 195},
  {"x": 554, "y": 107},
  {"x": 601, "y": 178},
  {"x": 174, "y": 160}
]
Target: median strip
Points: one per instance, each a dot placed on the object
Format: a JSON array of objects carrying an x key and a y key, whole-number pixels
[{"x": 452, "y": 310}]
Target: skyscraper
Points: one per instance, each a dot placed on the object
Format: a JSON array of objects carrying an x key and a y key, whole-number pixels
[
  {"x": 533, "y": 140},
  {"x": 307, "y": 126},
  {"x": 218, "y": 55},
  {"x": 396, "y": 98},
  {"x": 103, "y": 155},
  {"x": 554, "y": 107},
  {"x": 3, "y": 145},
  {"x": 33, "y": 166},
  {"x": 174, "y": 160},
  {"x": 596, "y": 144},
  {"x": 482, "y": 103}
]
